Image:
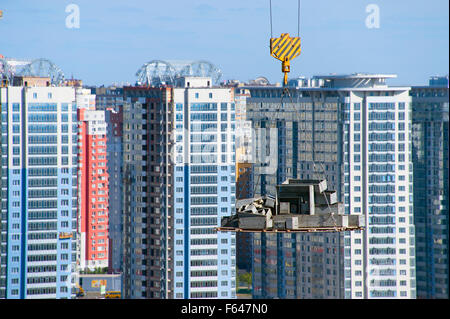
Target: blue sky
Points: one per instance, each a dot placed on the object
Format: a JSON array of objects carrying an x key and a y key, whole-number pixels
[{"x": 116, "y": 37}]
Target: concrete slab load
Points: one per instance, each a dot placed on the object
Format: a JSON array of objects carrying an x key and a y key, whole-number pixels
[{"x": 299, "y": 205}]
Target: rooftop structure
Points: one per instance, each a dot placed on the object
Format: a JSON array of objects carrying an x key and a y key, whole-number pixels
[
  {"x": 10, "y": 68},
  {"x": 30, "y": 81},
  {"x": 354, "y": 81},
  {"x": 158, "y": 72},
  {"x": 439, "y": 81}
]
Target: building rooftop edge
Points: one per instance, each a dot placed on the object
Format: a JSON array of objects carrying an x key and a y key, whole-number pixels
[{"x": 355, "y": 76}]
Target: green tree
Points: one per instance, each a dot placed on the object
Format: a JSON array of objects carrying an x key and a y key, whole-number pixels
[{"x": 246, "y": 278}]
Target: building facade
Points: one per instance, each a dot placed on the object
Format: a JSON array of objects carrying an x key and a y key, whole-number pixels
[
  {"x": 179, "y": 147},
  {"x": 108, "y": 97},
  {"x": 378, "y": 181},
  {"x": 93, "y": 189},
  {"x": 114, "y": 121},
  {"x": 430, "y": 160},
  {"x": 293, "y": 138},
  {"x": 39, "y": 197},
  {"x": 147, "y": 183},
  {"x": 244, "y": 174},
  {"x": 204, "y": 189}
]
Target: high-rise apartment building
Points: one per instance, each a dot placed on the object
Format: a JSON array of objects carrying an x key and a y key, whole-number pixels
[
  {"x": 204, "y": 189},
  {"x": 93, "y": 186},
  {"x": 430, "y": 160},
  {"x": 379, "y": 262},
  {"x": 292, "y": 140},
  {"x": 179, "y": 181},
  {"x": 147, "y": 183},
  {"x": 110, "y": 100},
  {"x": 108, "y": 97},
  {"x": 244, "y": 174},
  {"x": 114, "y": 121},
  {"x": 85, "y": 99},
  {"x": 355, "y": 132},
  {"x": 38, "y": 190}
]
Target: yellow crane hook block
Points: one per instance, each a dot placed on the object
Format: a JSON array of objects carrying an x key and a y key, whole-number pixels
[{"x": 285, "y": 49}]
